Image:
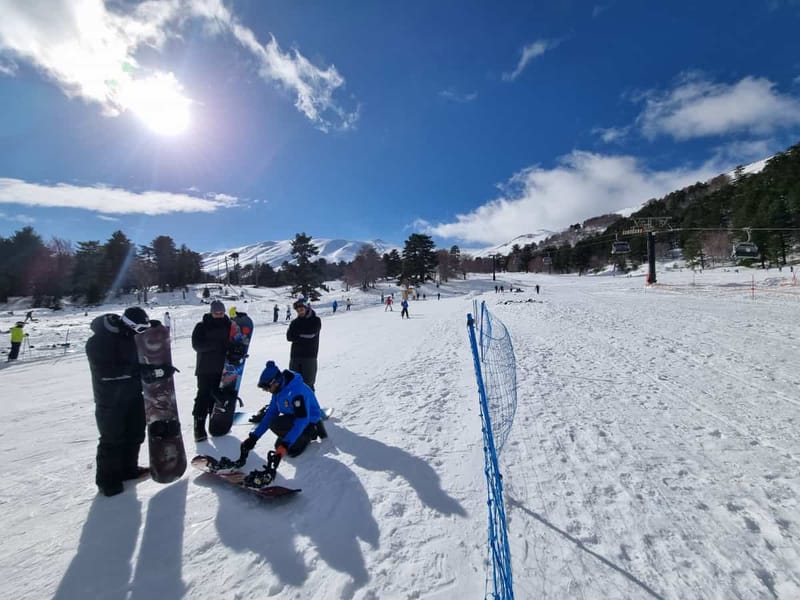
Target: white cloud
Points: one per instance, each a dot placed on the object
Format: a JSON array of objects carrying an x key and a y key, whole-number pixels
[
  {"x": 583, "y": 185},
  {"x": 611, "y": 134},
  {"x": 108, "y": 200},
  {"x": 529, "y": 52},
  {"x": 90, "y": 51},
  {"x": 700, "y": 108},
  {"x": 18, "y": 218},
  {"x": 461, "y": 98}
]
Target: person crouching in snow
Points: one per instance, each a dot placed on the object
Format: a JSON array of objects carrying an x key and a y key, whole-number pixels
[{"x": 293, "y": 414}]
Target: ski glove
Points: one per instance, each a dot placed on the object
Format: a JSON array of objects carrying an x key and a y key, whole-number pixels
[{"x": 249, "y": 444}]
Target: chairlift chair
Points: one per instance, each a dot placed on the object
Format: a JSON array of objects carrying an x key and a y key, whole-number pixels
[
  {"x": 745, "y": 250},
  {"x": 620, "y": 248}
]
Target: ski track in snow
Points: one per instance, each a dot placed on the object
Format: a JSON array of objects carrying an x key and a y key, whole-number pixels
[{"x": 654, "y": 454}]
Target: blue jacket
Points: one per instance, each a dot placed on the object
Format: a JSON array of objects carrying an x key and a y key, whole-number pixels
[{"x": 294, "y": 398}]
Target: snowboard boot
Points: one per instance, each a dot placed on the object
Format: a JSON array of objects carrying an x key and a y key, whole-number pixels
[
  {"x": 200, "y": 434},
  {"x": 111, "y": 489},
  {"x": 321, "y": 433},
  {"x": 137, "y": 473}
]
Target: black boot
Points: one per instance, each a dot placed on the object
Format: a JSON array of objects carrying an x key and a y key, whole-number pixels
[
  {"x": 200, "y": 429},
  {"x": 321, "y": 433}
]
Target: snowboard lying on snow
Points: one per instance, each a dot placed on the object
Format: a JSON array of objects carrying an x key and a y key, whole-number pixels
[{"x": 209, "y": 465}]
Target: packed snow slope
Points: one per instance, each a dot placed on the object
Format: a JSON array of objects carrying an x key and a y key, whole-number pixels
[{"x": 654, "y": 454}]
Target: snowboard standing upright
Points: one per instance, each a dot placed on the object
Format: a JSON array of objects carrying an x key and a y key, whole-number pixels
[
  {"x": 221, "y": 419},
  {"x": 167, "y": 455}
]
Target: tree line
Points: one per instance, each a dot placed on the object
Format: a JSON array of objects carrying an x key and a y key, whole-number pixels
[{"x": 92, "y": 272}]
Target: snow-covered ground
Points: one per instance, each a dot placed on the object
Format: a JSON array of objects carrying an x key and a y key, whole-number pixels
[{"x": 654, "y": 453}]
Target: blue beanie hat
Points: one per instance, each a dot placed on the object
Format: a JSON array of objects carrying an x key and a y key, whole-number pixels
[{"x": 270, "y": 372}]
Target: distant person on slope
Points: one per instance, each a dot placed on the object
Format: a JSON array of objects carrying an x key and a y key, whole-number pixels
[
  {"x": 293, "y": 414},
  {"x": 303, "y": 333},
  {"x": 404, "y": 311},
  {"x": 275, "y": 314},
  {"x": 17, "y": 336},
  {"x": 119, "y": 404},
  {"x": 210, "y": 339}
]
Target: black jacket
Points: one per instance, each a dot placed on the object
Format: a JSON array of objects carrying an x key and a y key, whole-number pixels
[
  {"x": 113, "y": 361},
  {"x": 210, "y": 339},
  {"x": 303, "y": 332}
]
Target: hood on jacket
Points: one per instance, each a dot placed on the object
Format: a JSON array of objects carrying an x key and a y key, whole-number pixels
[{"x": 109, "y": 322}]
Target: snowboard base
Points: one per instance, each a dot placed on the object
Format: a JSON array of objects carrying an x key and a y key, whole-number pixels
[{"x": 236, "y": 478}]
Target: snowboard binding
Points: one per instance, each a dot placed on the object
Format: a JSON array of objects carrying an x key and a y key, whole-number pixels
[{"x": 261, "y": 478}]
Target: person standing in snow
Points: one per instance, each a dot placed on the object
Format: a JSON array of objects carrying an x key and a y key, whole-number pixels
[
  {"x": 275, "y": 314},
  {"x": 210, "y": 339},
  {"x": 119, "y": 403},
  {"x": 349, "y": 304},
  {"x": 388, "y": 304},
  {"x": 168, "y": 322},
  {"x": 334, "y": 306},
  {"x": 303, "y": 333},
  {"x": 288, "y": 312},
  {"x": 293, "y": 414},
  {"x": 404, "y": 311},
  {"x": 17, "y": 336}
]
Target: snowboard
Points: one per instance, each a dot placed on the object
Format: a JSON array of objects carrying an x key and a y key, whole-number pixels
[
  {"x": 167, "y": 455},
  {"x": 243, "y": 418},
  {"x": 225, "y": 398},
  {"x": 236, "y": 478}
]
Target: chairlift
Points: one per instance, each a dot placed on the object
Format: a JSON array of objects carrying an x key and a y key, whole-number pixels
[
  {"x": 745, "y": 250},
  {"x": 620, "y": 248}
]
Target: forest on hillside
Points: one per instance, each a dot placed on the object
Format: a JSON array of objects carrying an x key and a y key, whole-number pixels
[{"x": 702, "y": 223}]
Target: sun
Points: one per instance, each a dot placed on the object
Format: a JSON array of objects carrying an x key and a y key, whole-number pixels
[{"x": 159, "y": 103}]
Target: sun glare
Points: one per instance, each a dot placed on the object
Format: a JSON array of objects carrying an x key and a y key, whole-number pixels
[{"x": 159, "y": 103}]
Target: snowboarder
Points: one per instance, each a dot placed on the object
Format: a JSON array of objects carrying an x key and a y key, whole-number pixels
[
  {"x": 119, "y": 404},
  {"x": 168, "y": 322},
  {"x": 349, "y": 303},
  {"x": 404, "y": 312},
  {"x": 288, "y": 312},
  {"x": 29, "y": 316},
  {"x": 275, "y": 314},
  {"x": 293, "y": 414},
  {"x": 17, "y": 335},
  {"x": 210, "y": 339},
  {"x": 388, "y": 304},
  {"x": 334, "y": 306},
  {"x": 303, "y": 333}
]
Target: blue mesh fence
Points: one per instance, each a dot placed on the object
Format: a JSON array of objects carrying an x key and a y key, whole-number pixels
[{"x": 495, "y": 372}]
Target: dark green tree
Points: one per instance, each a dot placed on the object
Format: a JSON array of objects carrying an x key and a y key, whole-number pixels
[
  {"x": 419, "y": 259},
  {"x": 305, "y": 274},
  {"x": 392, "y": 264}
]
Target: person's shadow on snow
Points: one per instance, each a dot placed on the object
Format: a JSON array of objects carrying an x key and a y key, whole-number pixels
[
  {"x": 158, "y": 565},
  {"x": 101, "y": 567},
  {"x": 339, "y": 516},
  {"x": 377, "y": 456},
  {"x": 263, "y": 526}
]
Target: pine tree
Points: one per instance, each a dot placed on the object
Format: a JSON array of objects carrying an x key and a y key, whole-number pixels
[
  {"x": 419, "y": 259},
  {"x": 305, "y": 274}
]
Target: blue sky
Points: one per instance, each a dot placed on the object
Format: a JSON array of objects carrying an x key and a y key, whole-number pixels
[{"x": 228, "y": 123}]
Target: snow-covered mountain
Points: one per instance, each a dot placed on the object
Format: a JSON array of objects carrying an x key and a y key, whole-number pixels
[
  {"x": 275, "y": 253},
  {"x": 504, "y": 249}
]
